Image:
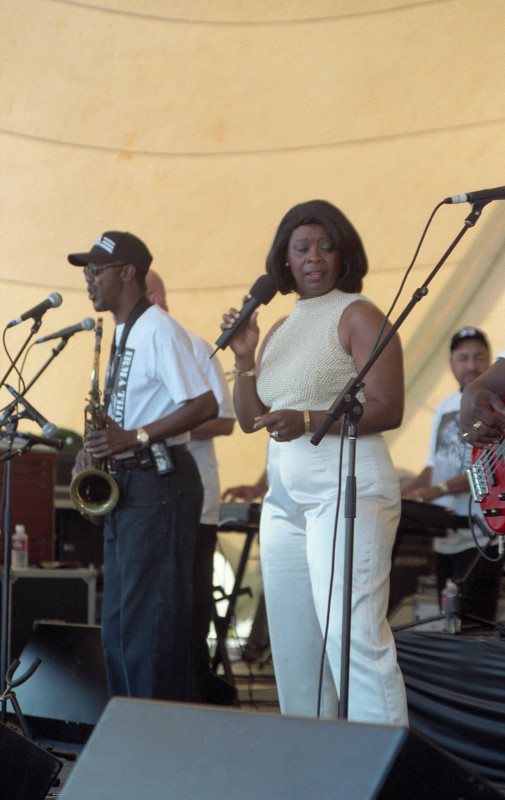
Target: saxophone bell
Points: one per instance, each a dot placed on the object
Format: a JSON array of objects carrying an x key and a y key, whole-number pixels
[{"x": 94, "y": 493}]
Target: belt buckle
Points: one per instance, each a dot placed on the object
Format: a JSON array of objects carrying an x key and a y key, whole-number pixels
[{"x": 142, "y": 459}]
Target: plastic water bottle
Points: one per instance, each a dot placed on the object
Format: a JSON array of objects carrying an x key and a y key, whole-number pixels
[
  {"x": 451, "y": 608},
  {"x": 19, "y": 550}
]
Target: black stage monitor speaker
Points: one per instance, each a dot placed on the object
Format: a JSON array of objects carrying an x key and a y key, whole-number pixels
[
  {"x": 78, "y": 539},
  {"x": 48, "y": 594},
  {"x": 170, "y": 751},
  {"x": 27, "y": 771},
  {"x": 64, "y": 698}
]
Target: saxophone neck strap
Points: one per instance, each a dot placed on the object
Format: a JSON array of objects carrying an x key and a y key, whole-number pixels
[{"x": 116, "y": 352}]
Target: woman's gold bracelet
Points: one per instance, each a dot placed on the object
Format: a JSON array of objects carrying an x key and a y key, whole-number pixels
[
  {"x": 247, "y": 374},
  {"x": 306, "y": 421}
]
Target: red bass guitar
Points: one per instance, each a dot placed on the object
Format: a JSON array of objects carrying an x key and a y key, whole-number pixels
[{"x": 487, "y": 483}]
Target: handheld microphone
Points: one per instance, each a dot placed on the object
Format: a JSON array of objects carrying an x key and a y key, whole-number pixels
[
  {"x": 86, "y": 325},
  {"x": 261, "y": 292},
  {"x": 483, "y": 194},
  {"x": 31, "y": 438},
  {"x": 53, "y": 301},
  {"x": 48, "y": 428}
]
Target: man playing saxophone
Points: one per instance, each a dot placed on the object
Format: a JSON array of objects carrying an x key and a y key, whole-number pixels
[{"x": 155, "y": 393}]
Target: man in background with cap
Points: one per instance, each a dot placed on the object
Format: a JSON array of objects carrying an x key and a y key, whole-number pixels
[
  {"x": 444, "y": 481},
  {"x": 154, "y": 394}
]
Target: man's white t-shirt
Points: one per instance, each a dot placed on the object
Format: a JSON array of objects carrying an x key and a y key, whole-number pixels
[
  {"x": 203, "y": 450},
  {"x": 451, "y": 456},
  {"x": 158, "y": 372}
]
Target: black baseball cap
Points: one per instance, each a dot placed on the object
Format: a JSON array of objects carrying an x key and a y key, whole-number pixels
[
  {"x": 115, "y": 246},
  {"x": 468, "y": 333}
]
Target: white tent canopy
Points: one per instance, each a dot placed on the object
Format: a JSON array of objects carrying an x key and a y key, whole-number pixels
[{"x": 197, "y": 124}]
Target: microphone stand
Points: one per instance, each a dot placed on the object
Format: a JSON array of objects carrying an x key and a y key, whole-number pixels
[
  {"x": 11, "y": 426},
  {"x": 346, "y": 403},
  {"x": 9, "y": 409},
  {"x": 33, "y": 330},
  {"x": 4, "y": 648},
  {"x": 54, "y": 352}
]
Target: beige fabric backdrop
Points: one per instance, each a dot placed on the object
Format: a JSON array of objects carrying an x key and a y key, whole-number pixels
[{"x": 196, "y": 124}]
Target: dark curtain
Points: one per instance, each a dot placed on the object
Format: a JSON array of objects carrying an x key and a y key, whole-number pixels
[{"x": 456, "y": 694}]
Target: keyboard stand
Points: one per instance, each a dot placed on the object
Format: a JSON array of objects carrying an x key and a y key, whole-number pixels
[{"x": 222, "y": 621}]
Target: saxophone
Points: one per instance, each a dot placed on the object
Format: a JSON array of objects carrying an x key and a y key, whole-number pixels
[{"x": 93, "y": 491}]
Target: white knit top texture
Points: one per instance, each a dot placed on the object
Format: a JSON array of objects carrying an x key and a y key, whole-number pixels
[{"x": 304, "y": 366}]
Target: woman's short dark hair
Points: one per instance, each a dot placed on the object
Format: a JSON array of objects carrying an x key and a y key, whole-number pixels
[{"x": 354, "y": 263}]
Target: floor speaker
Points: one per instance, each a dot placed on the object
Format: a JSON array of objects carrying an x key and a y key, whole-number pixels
[
  {"x": 48, "y": 594},
  {"x": 64, "y": 698},
  {"x": 145, "y": 748},
  {"x": 78, "y": 539},
  {"x": 27, "y": 771}
]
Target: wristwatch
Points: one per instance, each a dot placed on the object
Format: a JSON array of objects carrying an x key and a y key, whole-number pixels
[
  {"x": 142, "y": 437},
  {"x": 442, "y": 485}
]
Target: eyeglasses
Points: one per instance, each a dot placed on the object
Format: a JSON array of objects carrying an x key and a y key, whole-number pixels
[{"x": 92, "y": 270}]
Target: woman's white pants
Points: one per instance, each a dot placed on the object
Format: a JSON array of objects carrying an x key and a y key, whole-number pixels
[{"x": 296, "y": 542}]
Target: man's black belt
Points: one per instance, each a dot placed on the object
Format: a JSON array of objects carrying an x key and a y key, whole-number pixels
[{"x": 140, "y": 459}]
